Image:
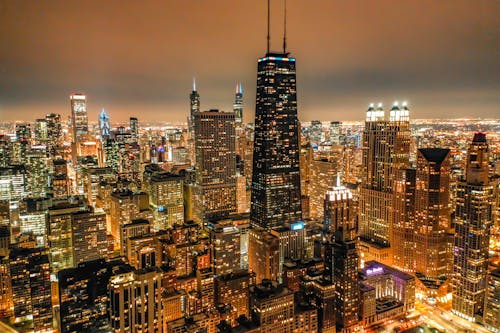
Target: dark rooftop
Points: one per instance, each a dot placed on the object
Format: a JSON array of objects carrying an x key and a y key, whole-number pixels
[{"x": 436, "y": 155}]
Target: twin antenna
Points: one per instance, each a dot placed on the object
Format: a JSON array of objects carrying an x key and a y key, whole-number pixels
[{"x": 269, "y": 26}]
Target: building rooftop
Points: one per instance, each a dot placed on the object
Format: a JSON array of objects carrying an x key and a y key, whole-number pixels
[
  {"x": 436, "y": 155},
  {"x": 269, "y": 289},
  {"x": 375, "y": 268}
]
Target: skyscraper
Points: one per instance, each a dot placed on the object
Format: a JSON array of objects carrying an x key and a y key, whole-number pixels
[
  {"x": 194, "y": 106},
  {"x": 30, "y": 273},
  {"x": 134, "y": 129},
  {"x": 276, "y": 196},
  {"x": 343, "y": 259},
  {"x": 403, "y": 251},
  {"x": 215, "y": 164},
  {"x": 386, "y": 147},
  {"x": 238, "y": 106},
  {"x": 79, "y": 117},
  {"x": 432, "y": 213},
  {"x": 104, "y": 125},
  {"x": 473, "y": 220}
]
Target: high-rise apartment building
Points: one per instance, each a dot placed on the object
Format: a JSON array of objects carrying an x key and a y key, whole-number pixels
[
  {"x": 473, "y": 220},
  {"x": 79, "y": 117},
  {"x": 30, "y": 274},
  {"x": 215, "y": 164},
  {"x": 276, "y": 195},
  {"x": 386, "y": 146}
]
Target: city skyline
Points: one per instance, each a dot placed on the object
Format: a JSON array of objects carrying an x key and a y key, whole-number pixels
[
  {"x": 226, "y": 220},
  {"x": 441, "y": 57}
]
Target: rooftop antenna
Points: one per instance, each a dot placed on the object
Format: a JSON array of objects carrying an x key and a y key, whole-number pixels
[
  {"x": 284, "y": 30},
  {"x": 268, "y": 24},
  {"x": 194, "y": 84}
]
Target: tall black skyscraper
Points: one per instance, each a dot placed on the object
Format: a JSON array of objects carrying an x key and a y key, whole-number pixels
[
  {"x": 276, "y": 175},
  {"x": 238, "y": 105}
]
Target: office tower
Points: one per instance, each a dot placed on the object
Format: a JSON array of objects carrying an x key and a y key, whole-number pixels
[
  {"x": 89, "y": 234},
  {"x": 386, "y": 144},
  {"x": 94, "y": 177},
  {"x": 341, "y": 263},
  {"x": 76, "y": 233},
  {"x": 30, "y": 274},
  {"x": 33, "y": 219},
  {"x": 13, "y": 182},
  {"x": 205, "y": 288},
  {"x": 54, "y": 133},
  {"x": 135, "y": 301},
  {"x": 79, "y": 119},
  {"x": 127, "y": 206},
  {"x": 6, "y": 304},
  {"x": 238, "y": 107},
  {"x": 40, "y": 132},
  {"x": 134, "y": 129},
  {"x": 215, "y": 164},
  {"x": 138, "y": 227},
  {"x": 432, "y": 213},
  {"x": 5, "y": 150},
  {"x": 38, "y": 173},
  {"x": 60, "y": 181},
  {"x": 292, "y": 243},
  {"x": 322, "y": 294},
  {"x": 404, "y": 220},
  {"x": 316, "y": 133},
  {"x": 194, "y": 107},
  {"x": 22, "y": 145},
  {"x": 104, "y": 125},
  {"x": 272, "y": 307},
  {"x": 334, "y": 133},
  {"x": 323, "y": 175},
  {"x": 234, "y": 290},
  {"x": 473, "y": 220},
  {"x": 166, "y": 199},
  {"x": 241, "y": 194},
  {"x": 491, "y": 318},
  {"x": 263, "y": 254},
  {"x": 225, "y": 248},
  {"x": 276, "y": 195},
  {"x": 83, "y": 295}
]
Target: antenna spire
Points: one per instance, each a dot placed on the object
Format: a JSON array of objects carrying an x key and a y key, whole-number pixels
[
  {"x": 194, "y": 84},
  {"x": 284, "y": 30},
  {"x": 268, "y": 24}
]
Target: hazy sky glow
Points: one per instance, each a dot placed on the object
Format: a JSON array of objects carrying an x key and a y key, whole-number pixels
[{"x": 139, "y": 57}]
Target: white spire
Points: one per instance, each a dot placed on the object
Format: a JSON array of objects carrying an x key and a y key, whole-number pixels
[{"x": 194, "y": 84}]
